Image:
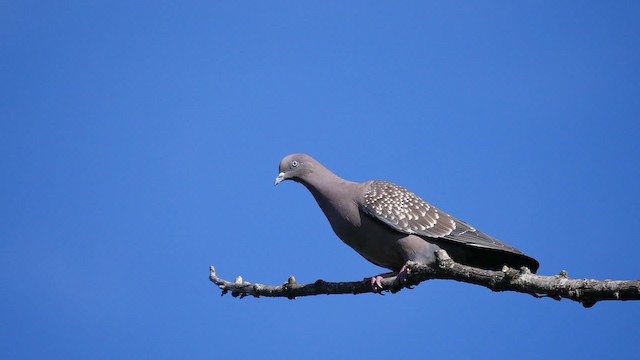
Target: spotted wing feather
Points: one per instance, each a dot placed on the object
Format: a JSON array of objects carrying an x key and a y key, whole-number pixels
[{"x": 404, "y": 211}]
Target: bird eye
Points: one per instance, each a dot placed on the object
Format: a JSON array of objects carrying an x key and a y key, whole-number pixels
[{"x": 294, "y": 163}]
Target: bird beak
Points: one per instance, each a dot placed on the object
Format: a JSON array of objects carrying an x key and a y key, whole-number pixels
[{"x": 279, "y": 178}]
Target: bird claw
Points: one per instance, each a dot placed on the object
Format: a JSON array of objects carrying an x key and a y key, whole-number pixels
[
  {"x": 403, "y": 276},
  {"x": 376, "y": 284}
]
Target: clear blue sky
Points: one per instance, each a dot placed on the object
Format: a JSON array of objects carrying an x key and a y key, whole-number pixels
[{"x": 139, "y": 142}]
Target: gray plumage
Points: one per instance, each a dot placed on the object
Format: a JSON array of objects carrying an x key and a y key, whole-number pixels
[{"x": 389, "y": 225}]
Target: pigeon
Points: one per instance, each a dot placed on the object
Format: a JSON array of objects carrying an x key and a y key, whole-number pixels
[{"x": 389, "y": 225}]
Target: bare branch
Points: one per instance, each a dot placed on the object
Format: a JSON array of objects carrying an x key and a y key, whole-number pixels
[{"x": 585, "y": 291}]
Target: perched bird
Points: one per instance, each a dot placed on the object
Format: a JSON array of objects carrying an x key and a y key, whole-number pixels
[{"x": 389, "y": 225}]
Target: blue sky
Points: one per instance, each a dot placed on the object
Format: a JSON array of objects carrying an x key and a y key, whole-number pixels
[{"x": 139, "y": 143}]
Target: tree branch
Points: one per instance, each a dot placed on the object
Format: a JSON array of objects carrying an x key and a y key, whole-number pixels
[{"x": 585, "y": 291}]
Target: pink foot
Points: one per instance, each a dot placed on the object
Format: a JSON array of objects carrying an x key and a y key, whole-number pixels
[
  {"x": 403, "y": 275},
  {"x": 376, "y": 283}
]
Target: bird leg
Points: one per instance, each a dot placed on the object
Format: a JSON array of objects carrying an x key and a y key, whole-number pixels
[{"x": 402, "y": 277}]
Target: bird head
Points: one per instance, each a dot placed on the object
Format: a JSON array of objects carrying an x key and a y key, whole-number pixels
[{"x": 295, "y": 167}]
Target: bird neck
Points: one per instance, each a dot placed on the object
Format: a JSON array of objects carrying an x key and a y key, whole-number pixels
[
  {"x": 318, "y": 179},
  {"x": 323, "y": 184}
]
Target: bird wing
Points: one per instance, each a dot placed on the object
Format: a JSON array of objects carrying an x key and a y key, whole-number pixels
[{"x": 404, "y": 211}]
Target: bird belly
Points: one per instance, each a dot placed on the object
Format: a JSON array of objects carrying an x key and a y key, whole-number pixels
[{"x": 374, "y": 241}]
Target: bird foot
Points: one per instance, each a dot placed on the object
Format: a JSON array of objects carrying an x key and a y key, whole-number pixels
[
  {"x": 403, "y": 276},
  {"x": 376, "y": 284},
  {"x": 376, "y": 281}
]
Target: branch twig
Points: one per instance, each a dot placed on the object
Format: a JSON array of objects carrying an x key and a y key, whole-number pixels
[{"x": 585, "y": 291}]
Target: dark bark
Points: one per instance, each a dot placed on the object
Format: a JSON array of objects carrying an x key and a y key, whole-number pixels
[{"x": 585, "y": 291}]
